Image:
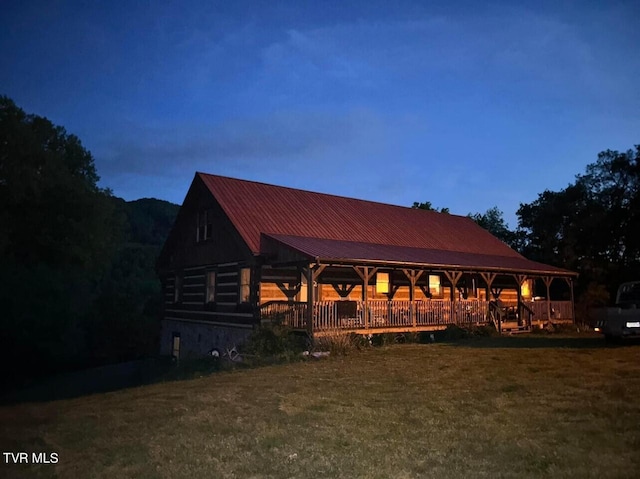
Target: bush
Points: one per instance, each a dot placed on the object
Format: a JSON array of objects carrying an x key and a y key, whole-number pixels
[
  {"x": 338, "y": 343},
  {"x": 455, "y": 333},
  {"x": 275, "y": 341},
  {"x": 486, "y": 330}
]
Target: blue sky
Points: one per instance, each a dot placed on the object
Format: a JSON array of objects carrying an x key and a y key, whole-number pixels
[{"x": 464, "y": 105}]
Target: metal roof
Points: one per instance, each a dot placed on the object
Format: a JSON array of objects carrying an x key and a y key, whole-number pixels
[
  {"x": 350, "y": 252},
  {"x": 346, "y": 224}
]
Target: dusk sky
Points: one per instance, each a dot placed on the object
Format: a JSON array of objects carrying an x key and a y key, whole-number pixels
[{"x": 468, "y": 105}]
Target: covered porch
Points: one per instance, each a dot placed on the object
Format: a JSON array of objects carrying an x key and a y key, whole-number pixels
[
  {"x": 390, "y": 297},
  {"x": 401, "y": 316}
]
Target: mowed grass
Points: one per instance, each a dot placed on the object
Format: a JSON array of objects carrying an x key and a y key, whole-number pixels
[{"x": 496, "y": 407}]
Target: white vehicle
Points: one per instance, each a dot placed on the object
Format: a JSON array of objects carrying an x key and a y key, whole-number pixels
[{"x": 622, "y": 320}]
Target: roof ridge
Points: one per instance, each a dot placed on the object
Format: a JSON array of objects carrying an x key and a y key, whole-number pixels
[{"x": 333, "y": 195}]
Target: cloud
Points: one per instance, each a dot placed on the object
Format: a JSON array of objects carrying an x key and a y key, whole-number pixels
[
  {"x": 506, "y": 48},
  {"x": 257, "y": 143}
]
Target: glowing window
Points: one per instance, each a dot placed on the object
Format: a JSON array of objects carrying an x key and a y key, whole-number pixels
[
  {"x": 434, "y": 285},
  {"x": 382, "y": 282}
]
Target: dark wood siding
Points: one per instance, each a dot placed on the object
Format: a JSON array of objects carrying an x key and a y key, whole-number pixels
[{"x": 185, "y": 257}]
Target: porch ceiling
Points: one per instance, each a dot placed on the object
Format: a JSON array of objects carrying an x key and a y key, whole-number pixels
[{"x": 322, "y": 250}]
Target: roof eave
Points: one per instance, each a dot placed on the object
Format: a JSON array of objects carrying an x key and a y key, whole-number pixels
[{"x": 454, "y": 267}]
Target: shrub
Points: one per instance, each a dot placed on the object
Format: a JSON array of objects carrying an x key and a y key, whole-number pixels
[
  {"x": 339, "y": 343},
  {"x": 275, "y": 340},
  {"x": 486, "y": 330},
  {"x": 455, "y": 333}
]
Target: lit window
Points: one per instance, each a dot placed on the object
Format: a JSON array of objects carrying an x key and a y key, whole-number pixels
[
  {"x": 245, "y": 281},
  {"x": 434, "y": 285},
  {"x": 382, "y": 283},
  {"x": 210, "y": 296},
  {"x": 302, "y": 296}
]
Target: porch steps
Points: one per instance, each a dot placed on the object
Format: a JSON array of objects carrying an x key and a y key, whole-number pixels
[{"x": 516, "y": 330}]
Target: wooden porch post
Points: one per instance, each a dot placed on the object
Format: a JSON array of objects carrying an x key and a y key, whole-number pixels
[
  {"x": 573, "y": 303},
  {"x": 453, "y": 277},
  {"x": 413, "y": 277},
  {"x": 312, "y": 275},
  {"x": 309, "y": 274},
  {"x": 488, "y": 279},
  {"x": 547, "y": 282},
  {"x": 365, "y": 274},
  {"x": 520, "y": 279}
]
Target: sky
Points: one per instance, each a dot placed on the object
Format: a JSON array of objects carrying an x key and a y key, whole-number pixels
[{"x": 468, "y": 105}]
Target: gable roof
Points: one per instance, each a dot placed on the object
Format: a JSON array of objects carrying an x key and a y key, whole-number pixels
[{"x": 336, "y": 227}]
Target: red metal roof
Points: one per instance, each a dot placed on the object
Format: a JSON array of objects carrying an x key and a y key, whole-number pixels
[
  {"x": 256, "y": 208},
  {"x": 353, "y": 252}
]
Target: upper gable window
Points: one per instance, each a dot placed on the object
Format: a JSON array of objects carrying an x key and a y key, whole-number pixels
[{"x": 204, "y": 226}]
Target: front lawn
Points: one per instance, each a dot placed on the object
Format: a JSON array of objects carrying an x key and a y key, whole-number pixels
[{"x": 490, "y": 407}]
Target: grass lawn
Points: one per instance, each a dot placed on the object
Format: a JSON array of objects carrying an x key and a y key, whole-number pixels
[{"x": 492, "y": 407}]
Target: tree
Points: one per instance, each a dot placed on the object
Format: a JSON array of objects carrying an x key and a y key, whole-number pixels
[
  {"x": 493, "y": 221},
  {"x": 428, "y": 207},
  {"x": 77, "y": 265},
  {"x": 52, "y": 210},
  {"x": 58, "y": 235},
  {"x": 593, "y": 225}
]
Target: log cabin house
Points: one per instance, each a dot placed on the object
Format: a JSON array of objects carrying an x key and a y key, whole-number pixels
[{"x": 241, "y": 253}]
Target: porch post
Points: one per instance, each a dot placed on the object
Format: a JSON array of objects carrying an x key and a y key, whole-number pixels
[
  {"x": 413, "y": 277},
  {"x": 453, "y": 278},
  {"x": 365, "y": 274},
  {"x": 365, "y": 294},
  {"x": 547, "y": 282},
  {"x": 488, "y": 279},
  {"x": 310, "y": 300},
  {"x": 519, "y": 298},
  {"x": 573, "y": 305},
  {"x": 312, "y": 276}
]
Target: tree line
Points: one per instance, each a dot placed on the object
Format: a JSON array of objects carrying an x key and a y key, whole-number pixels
[
  {"x": 77, "y": 264},
  {"x": 592, "y": 226}
]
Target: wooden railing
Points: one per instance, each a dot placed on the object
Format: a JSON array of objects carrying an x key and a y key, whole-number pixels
[
  {"x": 559, "y": 310},
  {"x": 292, "y": 314},
  {"x": 332, "y": 315}
]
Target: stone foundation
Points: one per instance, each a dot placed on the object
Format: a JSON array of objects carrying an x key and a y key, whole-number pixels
[{"x": 198, "y": 339}]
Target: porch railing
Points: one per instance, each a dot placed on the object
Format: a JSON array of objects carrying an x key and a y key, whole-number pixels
[
  {"x": 333, "y": 315},
  {"x": 292, "y": 314},
  {"x": 559, "y": 310}
]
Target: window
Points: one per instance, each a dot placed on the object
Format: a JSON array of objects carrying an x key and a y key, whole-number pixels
[
  {"x": 175, "y": 345},
  {"x": 434, "y": 285},
  {"x": 302, "y": 296},
  {"x": 245, "y": 281},
  {"x": 204, "y": 226},
  {"x": 382, "y": 283},
  {"x": 177, "y": 289},
  {"x": 210, "y": 296}
]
